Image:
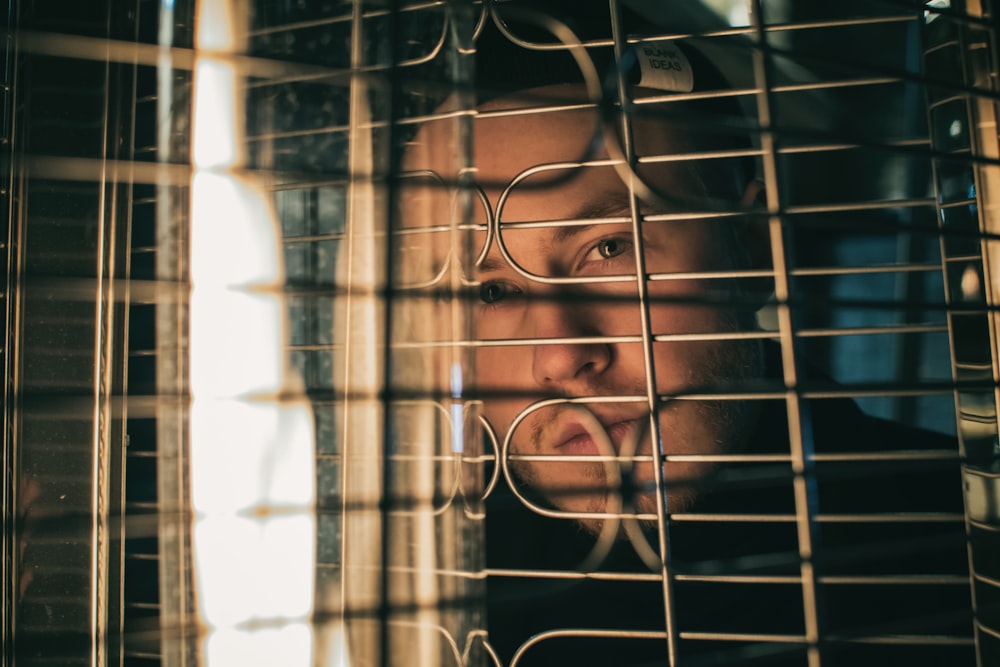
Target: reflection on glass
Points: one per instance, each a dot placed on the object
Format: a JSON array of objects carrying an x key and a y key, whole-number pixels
[{"x": 252, "y": 466}]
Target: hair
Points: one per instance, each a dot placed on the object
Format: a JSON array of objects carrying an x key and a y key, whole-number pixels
[{"x": 506, "y": 69}]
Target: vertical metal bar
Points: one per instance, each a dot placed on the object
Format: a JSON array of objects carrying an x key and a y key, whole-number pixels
[
  {"x": 103, "y": 367},
  {"x": 10, "y": 572},
  {"x": 361, "y": 325},
  {"x": 652, "y": 395},
  {"x": 178, "y": 649},
  {"x": 799, "y": 420},
  {"x": 960, "y": 55},
  {"x": 115, "y": 274},
  {"x": 390, "y": 485}
]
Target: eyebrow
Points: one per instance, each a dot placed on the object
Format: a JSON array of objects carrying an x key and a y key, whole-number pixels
[
  {"x": 609, "y": 205},
  {"x": 491, "y": 265}
]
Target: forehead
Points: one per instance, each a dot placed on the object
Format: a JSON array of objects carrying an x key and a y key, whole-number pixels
[
  {"x": 546, "y": 145},
  {"x": 542, "y": 158},
  {"x": 563, "y": 127}
]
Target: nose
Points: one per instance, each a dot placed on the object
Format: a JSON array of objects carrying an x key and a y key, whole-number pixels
[{"x": 560, "y": 361}]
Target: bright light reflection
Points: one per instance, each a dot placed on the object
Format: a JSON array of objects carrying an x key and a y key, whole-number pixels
[
  {"x": 252, "y": 448},
  {"x": 214, "y": 131}
]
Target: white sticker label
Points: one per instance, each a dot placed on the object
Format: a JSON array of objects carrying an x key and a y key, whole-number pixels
[{"x": 665, "y": 67}]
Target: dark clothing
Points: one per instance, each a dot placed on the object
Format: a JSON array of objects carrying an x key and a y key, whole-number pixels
[{"x": 847, "y": 549}]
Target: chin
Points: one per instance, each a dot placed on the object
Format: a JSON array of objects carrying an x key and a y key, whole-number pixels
[
  {"x": 581, "y": 488},
  {"x": 584, "y": 489},
  {"x": 679, "y": 501},
  {"x": 687, "y": 427}
]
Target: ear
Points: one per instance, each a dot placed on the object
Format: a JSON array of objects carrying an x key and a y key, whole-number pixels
[
  {"x": 755, "y": 239},
  {"x": 753, "y": 193}
]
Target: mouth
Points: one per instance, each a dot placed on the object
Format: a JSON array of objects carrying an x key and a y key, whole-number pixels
[{"x": 579, "y": 439}]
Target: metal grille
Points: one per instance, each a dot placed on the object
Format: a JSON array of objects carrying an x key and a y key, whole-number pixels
[
  {"x": 421, "y": 299},
  {"x": 813, "y": 551},
  {"x": 111, "y": 252}
]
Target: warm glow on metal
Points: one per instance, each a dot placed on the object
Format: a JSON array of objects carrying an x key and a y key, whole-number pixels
[{"x": 251, "y": 438}]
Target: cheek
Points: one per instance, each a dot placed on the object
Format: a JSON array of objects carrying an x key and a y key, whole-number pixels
[
  {"x": 500, "y": 368},
  {"x": 500, "y": 378},
  {"x": 686, "y": 307},
  {"x": 685, "y": 364}
]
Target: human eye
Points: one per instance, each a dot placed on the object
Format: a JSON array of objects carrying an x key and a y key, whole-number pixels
[
  {"x": 493, "y": 291},
  {"x": 608, "y": 249}
]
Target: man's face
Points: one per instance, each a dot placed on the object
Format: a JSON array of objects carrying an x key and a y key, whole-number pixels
[{"x": 564, "y": 366}]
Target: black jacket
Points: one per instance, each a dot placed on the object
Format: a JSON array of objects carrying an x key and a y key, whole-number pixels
[{"x": 849, "y": 550}]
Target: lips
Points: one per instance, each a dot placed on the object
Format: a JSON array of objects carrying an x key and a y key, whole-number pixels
[{"x": 575, "y": 439}]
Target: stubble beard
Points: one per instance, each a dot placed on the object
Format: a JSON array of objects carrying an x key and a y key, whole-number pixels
[{"x": 729, "y": 423}]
